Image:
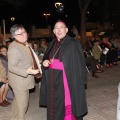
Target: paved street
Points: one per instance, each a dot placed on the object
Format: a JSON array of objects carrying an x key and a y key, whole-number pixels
[{"x": 101, "y": 98}]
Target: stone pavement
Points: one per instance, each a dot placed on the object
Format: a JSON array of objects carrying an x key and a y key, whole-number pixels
[{"x": 101, "y": 98}]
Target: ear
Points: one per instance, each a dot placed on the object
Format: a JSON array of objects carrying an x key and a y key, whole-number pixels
[
  {"x": 15, "y": 37},
  {"x": 66, "y": 30},
  {"x": 53, "y": 31}
]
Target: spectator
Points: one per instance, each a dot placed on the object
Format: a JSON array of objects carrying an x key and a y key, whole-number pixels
[
  {"x": 4, "y": 60},
  {"x": 3, "y": 87},
  {"x": 90, "y": 61},
  {"x": 98, "y": 53},
  {"x": 42, "y": 49},
  {"x": 75, "y": 31}
]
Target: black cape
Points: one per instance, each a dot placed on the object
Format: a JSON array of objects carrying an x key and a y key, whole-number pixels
[{"x": 74, "y": 63}]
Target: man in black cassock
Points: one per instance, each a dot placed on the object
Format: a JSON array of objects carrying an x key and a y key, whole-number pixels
[{"x": 64, "y": 77}]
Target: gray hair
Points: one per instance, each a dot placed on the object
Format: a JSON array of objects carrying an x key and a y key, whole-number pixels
[{"x": 14, "y": 28}]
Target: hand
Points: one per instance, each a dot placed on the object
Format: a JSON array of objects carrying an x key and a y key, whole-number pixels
[
  {"x": 46, "y": 63},
  {"x": 32, "y": 71},
  {"x": 4, "y": 80}
]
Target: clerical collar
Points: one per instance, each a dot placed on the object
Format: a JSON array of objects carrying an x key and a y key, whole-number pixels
[{"x": 60, "y": 40}]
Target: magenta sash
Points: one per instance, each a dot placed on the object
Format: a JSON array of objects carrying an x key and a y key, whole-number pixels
[{"x": 56, "y": 64}]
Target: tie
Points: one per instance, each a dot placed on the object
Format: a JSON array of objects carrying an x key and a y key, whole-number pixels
[{"x": 34, "y": 63}]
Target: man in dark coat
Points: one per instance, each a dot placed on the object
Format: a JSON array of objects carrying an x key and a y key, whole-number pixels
[{"x": 64, "y": 77}]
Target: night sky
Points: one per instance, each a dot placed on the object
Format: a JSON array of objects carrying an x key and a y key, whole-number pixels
[{"x": 32, "y": 13}]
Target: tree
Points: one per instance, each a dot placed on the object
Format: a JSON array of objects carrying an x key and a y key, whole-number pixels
[
  {"x": 83, "y": 6},
  {"x": 107, "y": 11}
]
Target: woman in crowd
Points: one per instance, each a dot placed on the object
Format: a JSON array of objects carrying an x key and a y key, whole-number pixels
[
  {"x": 3, "y": 87},
  {"x": 4, "y": 61}
]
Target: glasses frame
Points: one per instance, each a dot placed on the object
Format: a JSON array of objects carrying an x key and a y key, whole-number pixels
[{"x": 22, "y": 33}]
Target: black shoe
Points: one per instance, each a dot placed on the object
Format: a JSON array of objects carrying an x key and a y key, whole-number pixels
[
  {"x": 102, "y": 70},
  {"x": 115, "y": 64},
  {"x": 94, "y": 75},
  {"x": 98, "y": 71}
]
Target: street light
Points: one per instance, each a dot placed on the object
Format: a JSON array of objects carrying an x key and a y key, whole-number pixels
[
  {"x": 12, "y": 18},
  {"x": 4, "y": 30},
  {"x": 57, "y": 4},
  {"x": 59, "y": 7},
  {"x": 46, "y": 15}
]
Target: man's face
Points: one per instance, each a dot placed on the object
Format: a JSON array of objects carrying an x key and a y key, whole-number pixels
[
  {"x": 43, "y": 43},
  {"x": 35, "y": 46},
  {"x": 97, "y": 43},
  {"x": 60, "y": 30},
  {"x": 21, "y": 35}
]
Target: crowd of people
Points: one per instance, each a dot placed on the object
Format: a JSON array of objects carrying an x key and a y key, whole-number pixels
[
  {"x": 104, "y": 51},
  {"x": 61, "y": 66}
]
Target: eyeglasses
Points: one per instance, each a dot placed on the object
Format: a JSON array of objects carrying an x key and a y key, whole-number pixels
[
  {"x": 3, "y": 51},
  {"x": 22, "y": 33}
]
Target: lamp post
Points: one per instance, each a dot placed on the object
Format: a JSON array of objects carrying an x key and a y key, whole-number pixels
[
  {"x": 46, "y": 16},
  {"x": 12, "y": 18},
  {"x": 4, "y": 30},
  {"x": 57, "y": 4},
  {"x": 59, "y": 7},
  {"x": 4, "y": 27}
]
